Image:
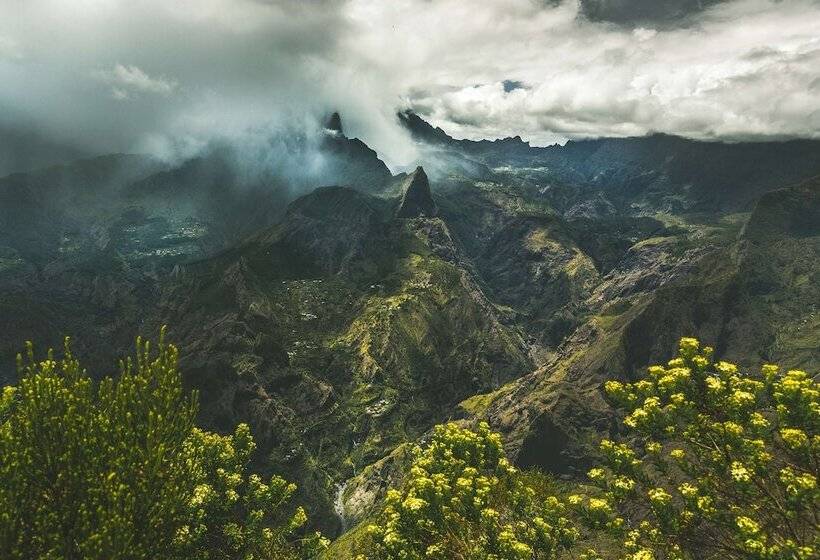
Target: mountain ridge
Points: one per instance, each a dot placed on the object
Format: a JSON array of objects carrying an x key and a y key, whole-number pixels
[{"x": 343, "y": 316}]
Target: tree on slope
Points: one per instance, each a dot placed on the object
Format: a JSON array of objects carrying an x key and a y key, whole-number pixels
[
  {"x": 463, "y": 500},
  {"x": 719, "y": 463},
  {"x": 116, "y": 469}
]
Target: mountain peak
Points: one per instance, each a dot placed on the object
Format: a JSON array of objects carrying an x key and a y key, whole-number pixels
[
  {"x": 422, "y": 130},
  {"x": 416, "y": 199},
  {"x": 334, "y": 123}
]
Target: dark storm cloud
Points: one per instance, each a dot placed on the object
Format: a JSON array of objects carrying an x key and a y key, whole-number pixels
[
  {"x": 642, "y": 12},
  {"x": 510, "y": 85},
  {"x": 24, "y": 148}
]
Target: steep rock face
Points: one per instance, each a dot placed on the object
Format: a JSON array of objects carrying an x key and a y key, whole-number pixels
[
  {"x": 554, "y": 417},
  {"x": 532, "y": 265},
  {"x": 538, "y": 266},
  {"x": 334, "y": 123},
  {"x": 416, "y": 198},
  {"x": 349, "y": 161},
  {"x": 333, "y": 228},
  {"x": 792, "y": 211},
  {"x": 775, "y": 314},
  {"x": 753, "y": 296}
]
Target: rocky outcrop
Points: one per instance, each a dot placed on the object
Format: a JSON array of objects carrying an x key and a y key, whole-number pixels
[
  {"x": 334, "y": 124},
  {"x": 416, "y": 198},
  {"x": 349, "y": 161},
  {"x": 753, "y": 298}
]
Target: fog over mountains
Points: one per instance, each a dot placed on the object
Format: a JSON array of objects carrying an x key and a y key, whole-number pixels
[
  {"x": 361, "y": 219},
  {"x": 167, "y": 79},
  {"x": 342, "y": 309}
]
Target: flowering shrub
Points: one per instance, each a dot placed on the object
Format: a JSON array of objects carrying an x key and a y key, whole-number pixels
[
  {"x": 463, "y": 499},
  {"x": 116, "y": 470},
  {"x": 236, "y": 515},
  {"x": 720, "y": 463}
]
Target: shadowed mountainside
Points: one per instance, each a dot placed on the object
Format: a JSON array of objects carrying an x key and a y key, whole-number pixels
[{"x": 344, "y": 312}]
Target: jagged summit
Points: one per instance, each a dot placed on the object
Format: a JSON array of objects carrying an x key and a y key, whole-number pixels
[
  {"x": 423, "y": 131},
  {"x": 416, "y": 199},
  {"x": 334, "y": 123}
]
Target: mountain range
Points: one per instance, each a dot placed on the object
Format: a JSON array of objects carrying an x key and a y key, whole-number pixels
[{"x": 343, "y": 310}]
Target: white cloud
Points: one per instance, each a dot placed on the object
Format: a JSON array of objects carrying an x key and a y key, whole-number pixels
[
  {"x": 126, "y": 80},
  {"x": 191, "y": 69},
  {"x": 643, "y": 34},
  {"x": 587, "y": 79}
]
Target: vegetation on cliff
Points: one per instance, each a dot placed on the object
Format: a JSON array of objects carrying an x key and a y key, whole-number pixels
[
  {"x": 719, "y": 463},
  {"x": 714, "y": 462},
  {"x": 116, "y": 469},
  {"x": 463, "y": 499}
]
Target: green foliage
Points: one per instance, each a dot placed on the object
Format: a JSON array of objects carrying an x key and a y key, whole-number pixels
[
  {"x": 721, "y": 463},
  {"x": 236, "y": 515},
  {"x": 116, "y": 469},
  {"x": 94, "y": 471},
  {"x": 718, "y": 463},
  {"x": 463, "y": 500}
]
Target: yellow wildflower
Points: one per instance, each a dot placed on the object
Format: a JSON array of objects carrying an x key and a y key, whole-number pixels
[
  {"x": 747, "y": 525},
  {"x": 659, "y": 497},
  {"x": 794, "y": 437},
  {"x": 739, "y": 472}
]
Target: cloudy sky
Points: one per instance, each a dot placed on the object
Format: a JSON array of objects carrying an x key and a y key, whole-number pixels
[{"x": 94, "y": 76}]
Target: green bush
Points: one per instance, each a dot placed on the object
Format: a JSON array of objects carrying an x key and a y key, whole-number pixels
[
  {"x": 716, "y": 463},
  {"x": 236, "y": 515},
  {"x": 719, "y": 463},
  {"x": 116, "y": 470},
  {"x": 463, "y": 500}
]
